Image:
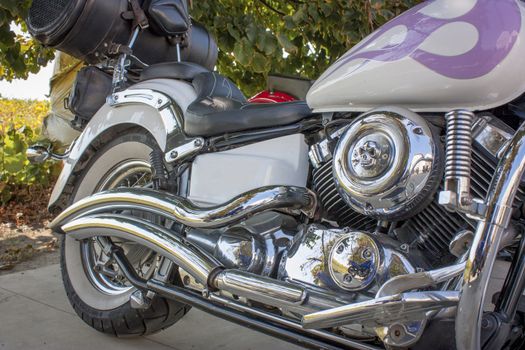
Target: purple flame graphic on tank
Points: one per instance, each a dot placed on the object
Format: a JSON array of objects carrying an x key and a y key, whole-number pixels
[{"x": 498, "y": 23}]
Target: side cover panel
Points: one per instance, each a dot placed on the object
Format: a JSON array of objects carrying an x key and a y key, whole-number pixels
[{"x": 219, "y": 177}]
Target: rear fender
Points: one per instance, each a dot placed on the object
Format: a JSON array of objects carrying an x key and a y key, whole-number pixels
[{"x": 156, "y": 106}]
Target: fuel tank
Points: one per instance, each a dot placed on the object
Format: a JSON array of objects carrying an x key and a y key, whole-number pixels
[{"x": 437, "y": 56}]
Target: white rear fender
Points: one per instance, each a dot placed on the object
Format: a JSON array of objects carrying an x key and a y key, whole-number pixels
[{"x": 155, "y": 105}]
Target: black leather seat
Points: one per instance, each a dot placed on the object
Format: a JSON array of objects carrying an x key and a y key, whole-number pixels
[
  {"x": 172, "y": 70},
  {"x": 221, "y": 107}
]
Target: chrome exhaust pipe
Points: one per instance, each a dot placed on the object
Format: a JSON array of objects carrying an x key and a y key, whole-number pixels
[
  {"x": 186, "y": 212},
  {"x": 201, "y": 266},
  {"x": 165, "y": 243},
  {"x": 281, "y": 294},
  {"x": 329, "y": 309}
]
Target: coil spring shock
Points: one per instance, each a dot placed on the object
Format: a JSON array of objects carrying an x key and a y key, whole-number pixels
[
  {"x": 158, "y": 170},
  {"x": 458, "y": 164}
]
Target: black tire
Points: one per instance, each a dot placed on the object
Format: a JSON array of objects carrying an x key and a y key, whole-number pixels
[{"x": 107, "y": 313}]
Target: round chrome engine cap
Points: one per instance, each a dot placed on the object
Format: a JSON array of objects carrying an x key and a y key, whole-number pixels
[
  {"x": 354, "y": 261},
  {"x": 371, "y": 156},
  {"x": 387, "y": 163}
]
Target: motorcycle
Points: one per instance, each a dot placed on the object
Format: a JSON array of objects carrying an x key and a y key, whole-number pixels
[{"x": 375, "y": 214}]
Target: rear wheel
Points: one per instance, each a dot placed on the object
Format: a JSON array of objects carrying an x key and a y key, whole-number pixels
[{"x": 94, "y": 285}]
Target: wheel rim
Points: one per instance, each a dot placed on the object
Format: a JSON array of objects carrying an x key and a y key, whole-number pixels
[{"x": 103, "y": 272}]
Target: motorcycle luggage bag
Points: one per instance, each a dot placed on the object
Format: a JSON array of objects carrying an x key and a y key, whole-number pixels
[
  {"x": 88, "y": 29},
  {"x": 89, "y": 93}
]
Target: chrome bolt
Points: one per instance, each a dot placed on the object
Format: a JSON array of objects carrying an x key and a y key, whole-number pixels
[
  {"x": 418, "y": 131},
  {"x": 198, "y": 143},
  {"x": 347, "y": 279},
  {"x": 174, "y": 155},
  {"x": 397, "y": 331}
]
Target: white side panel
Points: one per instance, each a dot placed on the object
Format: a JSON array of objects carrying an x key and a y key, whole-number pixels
[{"x": 219, "y": 177}]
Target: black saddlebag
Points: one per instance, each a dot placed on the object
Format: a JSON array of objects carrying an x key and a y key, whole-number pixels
[
  {"x": 88, "y": 95},
  {"x": 91, "y": 29}
]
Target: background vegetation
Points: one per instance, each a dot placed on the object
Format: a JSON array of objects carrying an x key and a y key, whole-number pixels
[
  {"x": 293, "y": 37},
  {"x": 255, "y": 37},
  {"x": 20, "y": 127}
]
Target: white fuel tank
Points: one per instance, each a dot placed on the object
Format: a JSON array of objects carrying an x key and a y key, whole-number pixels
[{"x": 438, "y": 56}]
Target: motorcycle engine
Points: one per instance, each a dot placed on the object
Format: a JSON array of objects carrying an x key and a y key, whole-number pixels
[
  {"x": 382, "y": 170},
  {"x": 352, "y": 170}
]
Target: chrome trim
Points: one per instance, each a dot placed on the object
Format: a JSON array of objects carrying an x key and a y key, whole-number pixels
[
  {"x": 201, "y": 266},
  {"x": 486, "y": 242},
  {"x": 148, "y": 97},
  {"x": 461, "y": 243},
  {"x": 186, "y": 212},
  {"x": 384, "y": 161},
  {"x": 320, "y": 153},
  {"x": 456, "y": 195},
  {"x": 166, "y": 243},
  {"x": 383, "y": 311},
  {"x": 342, "y": 258},
  {"x": 492, "y": 137},
  {"x": 405, "y": 334},
  {"x": 185, "y": 150}
]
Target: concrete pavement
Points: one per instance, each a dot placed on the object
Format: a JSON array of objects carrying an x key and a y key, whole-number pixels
[{"x": 35, "y": 314}]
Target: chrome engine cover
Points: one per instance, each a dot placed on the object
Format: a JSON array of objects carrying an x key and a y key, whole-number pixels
[
  {"x": 343, "y": 260},
  {"x": 387, "y": 164}
]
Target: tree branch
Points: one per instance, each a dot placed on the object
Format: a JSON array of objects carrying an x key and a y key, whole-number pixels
[{"x": 272, "y": 8}]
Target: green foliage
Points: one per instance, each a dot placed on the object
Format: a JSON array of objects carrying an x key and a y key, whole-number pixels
[
  {"x": 256, "y": 37},
  {"x": 293, "y": 37},
  {"x": 19, "y": 53},
  {"x": 19, "y": 123}
]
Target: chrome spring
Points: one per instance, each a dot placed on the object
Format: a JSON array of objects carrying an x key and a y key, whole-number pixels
[{"x": 459, "y": 153}]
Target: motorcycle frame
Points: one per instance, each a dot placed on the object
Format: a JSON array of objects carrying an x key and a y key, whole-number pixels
[{"x": 485, "y": 247}]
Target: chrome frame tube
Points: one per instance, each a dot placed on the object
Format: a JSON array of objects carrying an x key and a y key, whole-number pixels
[
  {"x": 184, "y": 211},
  {"x": 486, "y": 242}
]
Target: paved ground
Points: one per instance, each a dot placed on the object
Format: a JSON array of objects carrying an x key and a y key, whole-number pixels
[{"x": 35, "y": 314}]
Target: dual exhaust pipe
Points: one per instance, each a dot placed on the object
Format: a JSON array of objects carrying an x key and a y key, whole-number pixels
[{"x": 94, "y": 216}]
